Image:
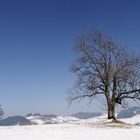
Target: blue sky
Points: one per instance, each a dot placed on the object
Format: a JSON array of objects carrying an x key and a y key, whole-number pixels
[{"x": 36, "y": 41}]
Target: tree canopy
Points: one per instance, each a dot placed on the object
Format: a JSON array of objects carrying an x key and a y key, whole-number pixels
[{"x": 103, "y": 67}]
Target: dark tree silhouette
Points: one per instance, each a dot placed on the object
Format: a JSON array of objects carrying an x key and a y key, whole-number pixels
[
  {"x": 1, "y": 112},
  {"x": 104, "y": 68}
]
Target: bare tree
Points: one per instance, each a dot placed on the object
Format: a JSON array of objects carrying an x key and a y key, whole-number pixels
[
  {"x": 1, "y": 112},
  {"x": 106, "y": 69}
]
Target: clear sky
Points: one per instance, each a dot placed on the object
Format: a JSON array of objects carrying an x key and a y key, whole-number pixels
[{"x": 36, "y": 41}]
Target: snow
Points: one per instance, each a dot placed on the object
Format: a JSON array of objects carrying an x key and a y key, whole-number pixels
[
  {"x": 35, "y": 120},
  {"x": 66, "y": 119},
  {"x": 67, "y": 132},
  {"x": 134, "y": 120},
  {"x": 59, "y": 119},
  {"x": 71, "y": 128}
]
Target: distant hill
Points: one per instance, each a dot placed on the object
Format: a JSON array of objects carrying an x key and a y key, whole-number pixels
[
  {"x": 37, "y": 118},
  {"x": 43, "y": 116},
  {"x": 15, "y": 120},
  {"x": 49, "y": 118},
  {"x": 86, "y": 115},
  {"x": 128, "y": 113}
]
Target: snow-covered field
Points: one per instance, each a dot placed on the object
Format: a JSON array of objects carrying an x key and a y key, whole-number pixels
[{"x": 67, "y": 131}]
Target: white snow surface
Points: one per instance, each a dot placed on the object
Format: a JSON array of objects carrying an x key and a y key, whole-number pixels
[
  {"x": 133, "y": 120},
  {"x": 67, "y": 132}
]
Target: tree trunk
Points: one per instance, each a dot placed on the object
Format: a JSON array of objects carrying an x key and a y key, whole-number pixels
[{"x": 111, "y": 111}]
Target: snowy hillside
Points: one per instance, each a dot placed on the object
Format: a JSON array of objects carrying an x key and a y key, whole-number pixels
[
  {"x": 86, "y": 115},
  {"x": 72, "y": 128},
  {"x": 98, "y": 120},
  {"x": 133, "y": 120},
  {"x": 15, "y": 120},
  {"x": 129, "y": 113},
  {"x": 130, "y": 116},
  {"x": 35, "y": 119}
]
